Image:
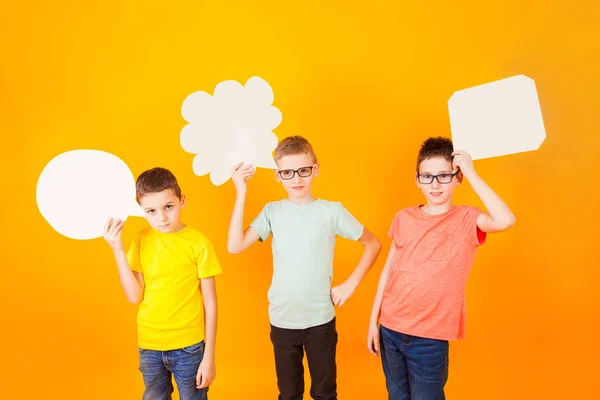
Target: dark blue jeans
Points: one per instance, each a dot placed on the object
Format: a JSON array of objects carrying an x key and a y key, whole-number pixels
[
  {"x": 415, "y": 368},
  {"x": 158, "y": 367}
]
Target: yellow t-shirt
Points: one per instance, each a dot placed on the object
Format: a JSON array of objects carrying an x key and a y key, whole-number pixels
[{"x": 171, "y": 316}]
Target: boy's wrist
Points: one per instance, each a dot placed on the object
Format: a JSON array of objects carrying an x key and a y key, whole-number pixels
[
  {"x": 208, "y": 356},
  {"x": 470, "y": 174},
  {"x": 352, "y": 281}
]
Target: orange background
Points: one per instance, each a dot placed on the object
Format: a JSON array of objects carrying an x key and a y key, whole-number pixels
[{"x": 366, "y": 83}]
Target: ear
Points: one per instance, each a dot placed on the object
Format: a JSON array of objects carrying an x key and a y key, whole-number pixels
[
  {"x": 417, "y": 180},
  {"x": 316, "y": 169},
  {"x": 277, "y": 177},
  {"x": 182, "y": 201},
  {"x": 459, "y": 178}
]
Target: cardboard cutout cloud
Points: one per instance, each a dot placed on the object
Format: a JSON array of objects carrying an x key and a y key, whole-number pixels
[
  {"x": 498, "y": 118},
  {"x": 233, "y": 125},
  {"x": 79, "y": 190}
]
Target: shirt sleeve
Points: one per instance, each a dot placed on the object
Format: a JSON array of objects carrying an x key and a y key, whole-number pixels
[
  {"x": 262, "y": 223},
  {"x": 476, "y": 235},
  {"x": 346, "y": 225},
  {"x": 394, "y": 229},
  {"x": 207, "y": 262},
  {"x": 133, "y": 254}
]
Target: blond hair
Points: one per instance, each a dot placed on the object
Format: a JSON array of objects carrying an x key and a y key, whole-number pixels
[{"x": 294, "y": 145}]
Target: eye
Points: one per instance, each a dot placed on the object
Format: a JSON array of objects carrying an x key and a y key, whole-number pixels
[
  {"x": 445, "y": 176},
  {"x": 286, "y": 173},
  {"x": 304, "y": 171},
  {"x": 426, "y": 176},
  {"x": 169, "y": 207},
  {"x": 149, "y": 211}
]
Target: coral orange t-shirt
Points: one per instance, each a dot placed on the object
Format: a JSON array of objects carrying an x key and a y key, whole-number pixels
[{"x": 425, "y": 291}]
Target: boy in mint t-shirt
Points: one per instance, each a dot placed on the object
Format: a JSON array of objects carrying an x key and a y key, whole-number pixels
[{"x": 301, "y": 301}]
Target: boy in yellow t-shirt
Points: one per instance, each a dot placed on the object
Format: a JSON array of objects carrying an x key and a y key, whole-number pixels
[{"x": 169, "y": 271}]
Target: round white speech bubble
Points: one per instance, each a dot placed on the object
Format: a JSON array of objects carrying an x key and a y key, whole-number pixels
[{"x": 79, "y": 190}]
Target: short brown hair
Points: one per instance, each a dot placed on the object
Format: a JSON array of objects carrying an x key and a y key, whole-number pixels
[
  {"x": 435, "y": 147},
  {"x": 156, "y": 180},
  {"x": 294, "y": 145}
]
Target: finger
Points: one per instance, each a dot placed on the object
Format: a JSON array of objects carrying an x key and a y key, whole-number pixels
[
  {"x": 370, "y": 346},
  {"x": 119, "y": 228},
  {"x": 203, "y": 382},
  {"x": 114, "y": 225},
  {"x": 237, "y": 166},
  {"x": 198, "y": 379},
  {"x": 342, "y": 301},
  {"x": 106, "y": 225}
]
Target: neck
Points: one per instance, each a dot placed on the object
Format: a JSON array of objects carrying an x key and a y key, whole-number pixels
[
  {"x": 436, "y": 209},
  {"x": 306, "y": 199}
]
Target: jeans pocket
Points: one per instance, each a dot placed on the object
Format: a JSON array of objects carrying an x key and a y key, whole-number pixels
[{"x": 194, "y": 349}]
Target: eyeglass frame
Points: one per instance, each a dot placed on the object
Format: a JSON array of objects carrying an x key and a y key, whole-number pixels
[
  {"x": 435, "y": 178},
  {"x": 295, "y": 171}
]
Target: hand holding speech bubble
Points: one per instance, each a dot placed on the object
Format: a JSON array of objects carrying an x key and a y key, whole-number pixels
[{"x": 79, "y": 190}]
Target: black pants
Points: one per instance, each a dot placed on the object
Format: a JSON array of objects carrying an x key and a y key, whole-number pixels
[{"x": 289, "y": 345}]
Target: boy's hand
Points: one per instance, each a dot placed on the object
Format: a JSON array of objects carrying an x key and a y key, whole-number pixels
[
  {"x": 463, "y": 160},
  {"x": 340, "y": 294},
  {"x": 373, "y": 339},
  {"x": 112, "y": 233},
  {"x": 206, "y": 374},
  {"x": 240, "y": 174}
]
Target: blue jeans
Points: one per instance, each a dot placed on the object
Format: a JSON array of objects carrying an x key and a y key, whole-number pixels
[
  {"x": 157, "y": 368},
  {"x": 415, "y": 368}
]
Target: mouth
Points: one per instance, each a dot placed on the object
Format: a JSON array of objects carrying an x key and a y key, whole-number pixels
[
  {"x": 297, "y": 187},
  {"x": 164, "y": 226},
  {"x": 436, "y": 194}
]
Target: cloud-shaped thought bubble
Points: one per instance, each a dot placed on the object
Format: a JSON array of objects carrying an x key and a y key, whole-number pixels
[{"x": 233, "y": 125}]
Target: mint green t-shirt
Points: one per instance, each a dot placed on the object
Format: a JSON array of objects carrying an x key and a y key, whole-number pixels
[{"x": 303, "y": 241}]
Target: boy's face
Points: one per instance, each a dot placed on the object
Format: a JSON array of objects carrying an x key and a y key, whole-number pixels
[
  {"x": 298, "y": 186},
  {"x": 437, "y": 193},
  {"x": 162, "y": 210}
]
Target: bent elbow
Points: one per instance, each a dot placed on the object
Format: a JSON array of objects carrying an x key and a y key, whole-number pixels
[
  {"x": 233, "y": 249},
  {"x": 135, "y": 299}
]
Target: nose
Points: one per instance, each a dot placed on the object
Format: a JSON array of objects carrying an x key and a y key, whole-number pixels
[
  {"x": 435, "y": 184},
  {"x": 162, "y": 216},
  {"x": 297, "y": 178}
]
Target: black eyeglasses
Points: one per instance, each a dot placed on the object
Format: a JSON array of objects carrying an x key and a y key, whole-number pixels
[
  {"x": 443, "y": 179},
  {"x": 304, "y": 172}
]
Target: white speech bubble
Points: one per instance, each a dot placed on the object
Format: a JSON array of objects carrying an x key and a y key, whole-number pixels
[
  {"x": 79, "y": 190},
  {"x": 233, "y": 125},
  {"x": 497, "y": 118}
]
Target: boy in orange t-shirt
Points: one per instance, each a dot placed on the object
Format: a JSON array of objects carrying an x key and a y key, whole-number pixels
[{"x": 420, "y": 300}]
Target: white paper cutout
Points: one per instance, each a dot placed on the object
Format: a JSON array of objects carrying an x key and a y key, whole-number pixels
[
  {"x": 233, "y": 125},
  {"x": 497, "y": 118},
  {"x": 79, "y": 190}
]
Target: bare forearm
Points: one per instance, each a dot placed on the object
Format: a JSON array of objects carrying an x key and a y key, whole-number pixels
[
  {"x": 383, "y": 279},
  {"x": 366, "y": 262},
  {"x": 131, "y": 286},
  {"x": 210, "y": 322}
]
